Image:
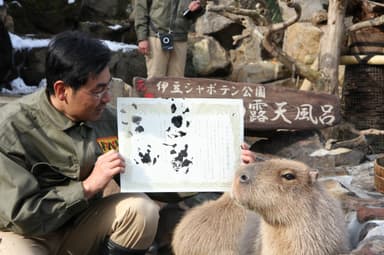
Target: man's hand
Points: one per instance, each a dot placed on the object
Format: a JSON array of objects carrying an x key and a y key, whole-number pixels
[
  {"x": 144, "y": 47},
  {"x": 247, "y": 156},
  {"x": 194, "y": 5},
  {"x": 106, "y": 166}
]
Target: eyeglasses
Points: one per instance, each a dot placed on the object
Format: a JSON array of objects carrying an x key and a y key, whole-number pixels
[{"x": 102, "y": 93}]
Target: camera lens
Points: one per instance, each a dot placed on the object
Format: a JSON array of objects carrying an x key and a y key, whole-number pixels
[{"x": 165, "y": 40}]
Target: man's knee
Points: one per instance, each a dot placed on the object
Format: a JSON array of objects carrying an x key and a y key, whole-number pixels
[
  {"x": 136, "y": 223},
  {"x": 146, "y": 211}
]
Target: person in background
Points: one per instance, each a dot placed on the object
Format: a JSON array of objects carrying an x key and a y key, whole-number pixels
[
  {"x": 8, "y": 70},
  {"x": 162, "y": 32},
  {"x": 54, "y": 163}
]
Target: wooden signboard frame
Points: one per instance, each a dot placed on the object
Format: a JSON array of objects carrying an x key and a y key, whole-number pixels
[{"x": 267, "y": 107}]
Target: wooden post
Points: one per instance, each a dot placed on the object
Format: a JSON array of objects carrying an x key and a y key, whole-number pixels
[{"x": 331, "y": 44}]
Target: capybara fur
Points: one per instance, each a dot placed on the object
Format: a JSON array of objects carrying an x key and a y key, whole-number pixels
[{"x": 276, "y": 207}]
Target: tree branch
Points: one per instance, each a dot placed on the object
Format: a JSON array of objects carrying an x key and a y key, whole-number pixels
[
  {"x": 367, "y": 23},
  {"x": 293, "y": 65},
  {"x": 257, "y": 14}
]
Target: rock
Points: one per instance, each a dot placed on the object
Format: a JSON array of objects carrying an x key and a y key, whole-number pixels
[
  {"x": 341, "y": 156},
  {"x": 209, "y": 58},
  {"x": 296, "y": 145},
  {"x": 97, "y": 10},
  {"x": 369, "y": 213},
  {"x": 33, "y": 64},
  {"x": 258, "y": 72},
  {"x": 308, "y": 9},
  {"x": 334, "y": 187},
  {"x": 126, "y": 65},
  {"x": 216, "y": 23},
  {"x": 370, "y": 246},
  {"x": 220, "y": 28},
  {"x": 112, "y": 30},
  {"x": 31, "y": 16},
  {"x": 302, "y": 42}
]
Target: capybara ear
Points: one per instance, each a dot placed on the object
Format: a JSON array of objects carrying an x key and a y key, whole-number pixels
[{"x": 313, "y": 175}]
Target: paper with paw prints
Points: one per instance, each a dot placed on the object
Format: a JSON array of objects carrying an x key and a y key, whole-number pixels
[{"x": 179, "y": 145}]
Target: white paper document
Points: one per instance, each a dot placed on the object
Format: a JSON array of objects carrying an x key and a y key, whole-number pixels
[{"x": 179, "y": 145}]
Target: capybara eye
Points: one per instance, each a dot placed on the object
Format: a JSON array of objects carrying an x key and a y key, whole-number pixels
[
  {"x": 244, "y": 178},
  {"x": 289, "y": 176}
]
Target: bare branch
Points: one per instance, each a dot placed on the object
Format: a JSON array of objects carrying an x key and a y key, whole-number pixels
[
  {"x": 371, "y": 131},
  {"x": 238, "y": 38},
  {"x": 367, "y": 23},
  {"x": 257, "y": 14},
  {"x": 293, "y": 65}
]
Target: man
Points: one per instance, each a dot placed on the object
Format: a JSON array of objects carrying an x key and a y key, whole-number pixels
[
  {"x": 162, "y": 32},
  {"x": 52, "y": 168},
  {"x": 55, "y": 160}
]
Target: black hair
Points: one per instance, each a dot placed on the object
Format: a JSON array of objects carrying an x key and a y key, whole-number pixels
[{"x": 73, "y": 57}]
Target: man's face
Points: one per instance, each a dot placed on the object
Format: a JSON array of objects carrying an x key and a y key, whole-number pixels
[{"x": 89, "y": 101}]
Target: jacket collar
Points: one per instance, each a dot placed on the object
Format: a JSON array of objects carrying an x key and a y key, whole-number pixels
[{"x": 55, "y": 117}]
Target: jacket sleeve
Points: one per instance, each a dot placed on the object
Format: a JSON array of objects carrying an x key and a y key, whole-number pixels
[
  {"x": 27, "y": 207},
  {"x": 142, "y": 8}
]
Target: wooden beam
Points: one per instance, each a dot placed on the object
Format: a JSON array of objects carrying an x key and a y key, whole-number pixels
[{"x": 362, "y": 59}]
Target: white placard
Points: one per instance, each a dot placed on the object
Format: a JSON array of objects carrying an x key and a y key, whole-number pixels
[{"x": 179, "y": 145}]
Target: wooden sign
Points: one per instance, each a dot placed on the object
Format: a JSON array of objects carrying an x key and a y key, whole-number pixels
[{"x": 267, "y": 107}]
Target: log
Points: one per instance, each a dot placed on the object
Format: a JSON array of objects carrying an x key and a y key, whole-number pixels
[
  {"x": 331, "y": 45},
  {"x": 359, "y": 142},
  {"x": 267, "y": 107},
  {"x": 378, "y": 21}
]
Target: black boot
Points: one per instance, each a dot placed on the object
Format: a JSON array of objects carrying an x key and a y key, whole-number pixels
[{"x": 111, "y": 248}]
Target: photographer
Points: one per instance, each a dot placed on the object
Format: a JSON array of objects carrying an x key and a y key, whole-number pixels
[{"x": 162, "y": 32}]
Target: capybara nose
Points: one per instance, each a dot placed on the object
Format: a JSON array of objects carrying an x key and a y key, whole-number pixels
[{"x": 244, "y": 178}]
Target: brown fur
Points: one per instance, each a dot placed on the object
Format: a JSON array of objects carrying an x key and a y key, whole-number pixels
[
  {"x": 295, "y": 216},
  {"x": 204, "y": 226}
]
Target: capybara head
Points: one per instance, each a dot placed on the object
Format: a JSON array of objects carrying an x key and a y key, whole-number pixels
[{"x": 274, "y": 187}]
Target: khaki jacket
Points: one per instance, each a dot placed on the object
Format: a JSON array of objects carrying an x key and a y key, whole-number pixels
[
  {"x": 166, "y": 15},
  {"x": 44, "y": 156}
]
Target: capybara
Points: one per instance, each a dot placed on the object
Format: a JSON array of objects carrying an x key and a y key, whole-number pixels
[{"x": 276, "y": 207}]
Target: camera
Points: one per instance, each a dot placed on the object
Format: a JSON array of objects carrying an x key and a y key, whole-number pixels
[
  {"x": 166, "y": 41},
  {"x": 186, "y": 12}
]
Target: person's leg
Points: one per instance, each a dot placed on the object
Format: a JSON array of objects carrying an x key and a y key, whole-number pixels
[
  {"x": 14, "y": 244},
  {"x": 118, "y": 224},
  {"x": 177, "y": 61},
  {"x": 157, "y": 59}
]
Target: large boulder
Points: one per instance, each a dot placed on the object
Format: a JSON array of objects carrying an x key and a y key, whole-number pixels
[
  {"x": 126, "y": 65},
  {"x": 209, "y": 58},
  {"x": 220, "y": 28},
  {"x": 98, "y": 10},
  {"x": 302, "y": 42},
  {"x": 44, "y": 16}
]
